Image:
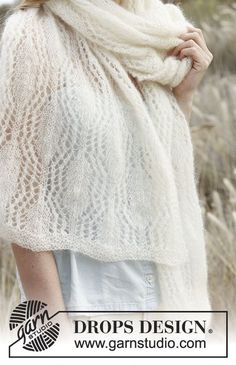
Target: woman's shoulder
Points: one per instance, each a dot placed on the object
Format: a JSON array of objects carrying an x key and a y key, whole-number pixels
[
  {"x": 23, "y": 27},
  {"x": 28, "y": 42},
  {"x": 27, "y": 52},
  {"x": 18, "y": 20}
]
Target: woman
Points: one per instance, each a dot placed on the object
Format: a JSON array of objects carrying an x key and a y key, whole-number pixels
[{"x": 100, "y": 204}]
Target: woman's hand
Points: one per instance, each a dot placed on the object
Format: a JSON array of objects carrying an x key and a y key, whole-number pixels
[{"x": 194, "y": 46}]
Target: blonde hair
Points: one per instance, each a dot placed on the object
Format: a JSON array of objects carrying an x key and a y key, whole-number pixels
[
  {"x": 31, "y": 3},
  {"x": 36, "y": 3}
]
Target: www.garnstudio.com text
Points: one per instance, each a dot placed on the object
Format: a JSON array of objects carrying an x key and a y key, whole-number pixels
[{"x": 162, "y": 343}]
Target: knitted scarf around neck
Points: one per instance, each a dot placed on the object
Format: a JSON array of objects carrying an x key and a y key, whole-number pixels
[
  {"x": 89, "y": 161},
  {"x": 137, "y": 32}
]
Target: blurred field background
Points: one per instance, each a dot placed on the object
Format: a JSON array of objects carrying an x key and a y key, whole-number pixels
[{"x": 213, "y": 128}]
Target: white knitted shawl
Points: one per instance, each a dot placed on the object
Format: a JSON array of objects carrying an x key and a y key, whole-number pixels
[{"x": 95, "y": 153}]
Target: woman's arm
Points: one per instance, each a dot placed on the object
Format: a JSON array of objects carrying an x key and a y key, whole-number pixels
[
  {"x": 194, "y": 46},
  {"x": 185, "y": 102},
  {"x": 39, "y": 277}
]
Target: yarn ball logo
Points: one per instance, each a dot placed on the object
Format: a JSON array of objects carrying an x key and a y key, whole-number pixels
[{"x": 34, "y": 325}]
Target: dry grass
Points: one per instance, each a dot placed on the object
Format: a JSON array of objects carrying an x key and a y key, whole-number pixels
[{"x": 214, "y": 136}]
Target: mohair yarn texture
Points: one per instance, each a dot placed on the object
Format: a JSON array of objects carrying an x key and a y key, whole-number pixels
[{"x": 95, "y": 153}]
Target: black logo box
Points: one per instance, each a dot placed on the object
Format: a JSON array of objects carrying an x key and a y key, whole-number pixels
[{"x": 193, "y": 357}]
